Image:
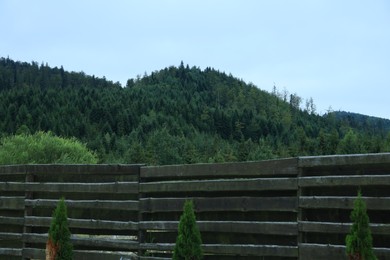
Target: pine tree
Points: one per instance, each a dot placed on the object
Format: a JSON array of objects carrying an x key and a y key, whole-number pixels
[
  {"x": 359, "y": 240},
  {"x": 189, "y": 241},
  {"x": 59, "y": 245}
]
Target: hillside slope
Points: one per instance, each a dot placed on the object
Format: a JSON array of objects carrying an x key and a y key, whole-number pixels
[{"x": 175, "y": 115}]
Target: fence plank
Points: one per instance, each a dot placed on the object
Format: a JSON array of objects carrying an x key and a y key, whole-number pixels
[
  {"x": 128, "y": 205},
  {"x": 113, "y": 187},
  {"x": 11, "y": 251},
  {"x": 79, "y": 241},
  {"x": 10, "y": 236},
  {"x": 247, "y": 227},
  {"x": 106, "y": 169},
  {"x": 337, "y": 160},
  {"x": 271, "y": 167},
  {"x": 324, "y": 252},
  {"x": 16, "y": 203},
  {"x": 321, "y": 252},
  {"x": 84, "y": 223},
  {"x": 11, "y": 220},
  {"x": 242, "y": 204},
  {"x": 381, "y": 203},
  {"x": 339, "y": 228},
  {"x": 357, "y": 180},
  {"x": 221, "y": 185},
  {"x": 233, "y": 249},
  {"x": 252, "y": 250},
  {"x": 35, "y": 253}
]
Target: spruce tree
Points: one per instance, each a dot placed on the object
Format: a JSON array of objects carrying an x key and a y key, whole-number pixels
[
  {"x": 59, "y": 244},
  {"x": 359, "y": 240},
  {"x": 188, "y": 242}
]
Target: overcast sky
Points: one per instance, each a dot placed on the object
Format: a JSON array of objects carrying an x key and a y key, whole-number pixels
[{"x": 335, "y": 51}]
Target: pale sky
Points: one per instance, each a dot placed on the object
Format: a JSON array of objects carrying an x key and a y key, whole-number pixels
[{"x": 335, "y": 51}]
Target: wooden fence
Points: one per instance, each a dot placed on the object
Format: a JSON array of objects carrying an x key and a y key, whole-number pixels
[{"x": 295, "y": 208}]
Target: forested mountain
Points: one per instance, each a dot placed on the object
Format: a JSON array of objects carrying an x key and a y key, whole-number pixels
[{"x": 175, "y": 115}]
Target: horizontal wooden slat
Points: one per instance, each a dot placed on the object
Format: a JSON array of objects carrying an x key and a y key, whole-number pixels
[
  {"x": 71, "y": 169},
  {"x": 112, "y": 187},
  {"x": 242, "y": 204},
  {"x": 35, "y": 253},
  {"x": 11, "y": 220},
  {"x": 11, "y": 251},
  {"x": 16, "y": 203},
  {"x": 313, "y": 202},
  {"x": 252, "y": 250},
  {"x": 234, "y": 249},
  {"x": 84, "y": 223},
  {"x": 325, "y": 252},
  {"x": 360, "y": 180},
  {"x": 340, "y": 228},
  {"x": 12, "y": 169},
  {"x": 321, "y": 252},
  {"x": 246, "y": 227},
  {"x": 128, "y": 205},
  {"x": 10, "y": 236},
  {"x": 337, "y": 160},
  {"x": 271, "y": 167},
  {"x": 153, "y": 258},
  {"x": 92, "y": 242},
  {"x": 257, "y": 184}
]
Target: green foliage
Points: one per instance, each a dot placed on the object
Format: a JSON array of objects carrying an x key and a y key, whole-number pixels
[
  {"x": 359, "y": 240},
  {"x": 188, "y": 242},
  {"x": 59, "y": 232},
  {"x": 43, "y": 148}
]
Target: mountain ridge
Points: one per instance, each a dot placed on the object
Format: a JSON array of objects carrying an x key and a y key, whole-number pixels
[{"x": 201, "y": 115}]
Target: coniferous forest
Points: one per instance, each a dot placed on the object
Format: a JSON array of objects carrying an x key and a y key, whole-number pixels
[{"x": 177, "y": 115}]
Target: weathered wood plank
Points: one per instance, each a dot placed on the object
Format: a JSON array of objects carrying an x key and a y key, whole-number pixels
[
  {"x": 252, "y": 250},
  {"x": 230, "y": 249},
  {"x": 10, "y": 236},
  {"x": 12, "y": 169},
  {"x": 247, "y": 227},
  {"x": 11, "y": 221},
  {"x": 128, "y": 205},
  {"x": 340, "y": 228},
  {"x": 84, "y": 223},
  {"x": 271, "y": 167},
  {"x": 153, "y": 258},
  {"x": 314, "y": 202},
  {"x": 324, "y": 252},
  {"x": 36, "y": 253},
  {"x": 357, "y": 180},
  {"x": 11, "y": 251},
  {"x": 16, "y": 203},
  {"x": 112, "y": 169},
  {"x": 92, "y": 242},
  {"x": 338, "y": 160},
  {"x": 242, "y": 204},
  {"x": 111, "y": 187},
  {"x": 257, "y": 184},
  {"x": 321, "y": 252}
]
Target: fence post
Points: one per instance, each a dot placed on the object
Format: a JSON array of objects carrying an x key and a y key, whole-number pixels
[
  {"x": 28, "y": 211},
  {"x": 141, "y": 233}
]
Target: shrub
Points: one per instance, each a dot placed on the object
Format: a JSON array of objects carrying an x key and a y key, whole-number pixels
[
  {"x": 359, "y": 240},
  {"x": 188, "y": 242},
  {"x": 43, "y": 147},
  {"x": 58, "y": 246}
]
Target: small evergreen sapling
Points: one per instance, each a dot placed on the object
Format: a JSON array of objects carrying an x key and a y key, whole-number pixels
[
  {"x": 359, "y": 240},
  {"x": 58, "y": 246},
  {"x": 188, "y": 241}
]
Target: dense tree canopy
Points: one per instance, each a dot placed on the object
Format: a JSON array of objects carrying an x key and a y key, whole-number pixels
[{"x": 177, "y": 115}]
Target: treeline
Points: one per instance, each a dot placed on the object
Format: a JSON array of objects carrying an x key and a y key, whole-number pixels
[{"x": 173, "y": 116}]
